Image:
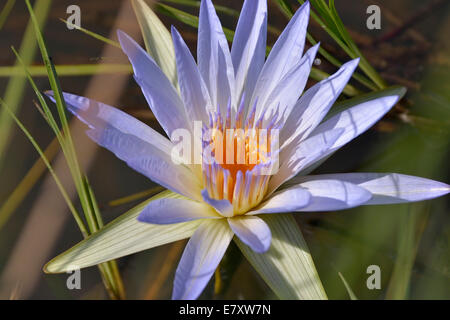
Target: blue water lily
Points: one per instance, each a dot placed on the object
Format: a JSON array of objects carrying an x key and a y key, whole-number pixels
[{"x": 241, "y": 89}]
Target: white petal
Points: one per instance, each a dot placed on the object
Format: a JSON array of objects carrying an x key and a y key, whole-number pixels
[
  {"x": 200, "y": 258},
  {"x": 193, "y": 89},
  {"x": 248, "y": 51},
  {"x": 214, "y": 58},
  {"x": 169, "y": 211},
  {"x": 285, "y": 95},
  {"x": 252, "y": 231},
  {"x": 296, "y": 157},
  {"x": 315, "y": 104},
  {"x": 354, "y": 121},
  {"x": 332, "y": 195},
  {"x": 285, "y": 54},
  {"x": 161, "y": 96},
  {"x": 387, "y": 188},
  {"x": 287, "y": 200},
  {"x": 98, "y": 115},
  {"x": 145, "y": 159},
  {"x": 144, "y": 149}
]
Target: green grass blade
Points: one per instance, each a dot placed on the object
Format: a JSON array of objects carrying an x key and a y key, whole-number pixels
[
  {"x": 5, "y": 12},
  {"x": 361, "y": 79},
  {"x": 15, "y": 89},
  {"x": 69, "y": 203},
  {"x": 93, "y": 34},
  {"x": 350, "y": 292},
  {"x": 135, "y": 196},
  {"x": 61, "y": 109},
  {"x": 84, "y": 193},
  {"x": 69, "y": 70}
]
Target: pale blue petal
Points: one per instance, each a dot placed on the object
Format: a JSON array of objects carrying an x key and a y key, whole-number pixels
[
  {"x": 295, "y": 157},
  {"x": 287, "y": 200},
  {"x": 168, "y": 211},
  {"x": 224, "y": 207},
  {"x": 252, "y": 231},
  {"x": 144, "y": 150},
  {"x": 98, "y": 115},
  {"x": 285, "y": 54},
  {"x": 193, "y": 89},
  {"x": 214, "y": 58},
  {"x": 145, "y": 159},
  {"x": 248, "y": 51},
  {"x": 354, "y": 121},
  {"x": 387, "y": 188},
  {"x": 200, "y": 258},
  {"x": 314, "y": 105},
  {"x": 332, "y": 195},
  {"x": 285, "y": 95},
  {"x": 159, "y": 92}
]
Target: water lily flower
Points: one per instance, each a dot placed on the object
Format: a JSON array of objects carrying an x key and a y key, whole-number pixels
[{"x": 241, "y": 89}]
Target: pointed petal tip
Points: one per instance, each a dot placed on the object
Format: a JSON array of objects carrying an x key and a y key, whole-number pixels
[
  {"x": 352, "y": 64},
  {"x": 121, "y": 35},
  {"x": 125, "y": 41},
  {"x": 401, "y": 92},
  {"x": 305, "y": 6},
  {"x": 315, "y": 47},
  {"x": 175, "y": 34}
]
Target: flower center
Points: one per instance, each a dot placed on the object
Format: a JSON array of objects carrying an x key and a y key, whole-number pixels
[{"x": 239, "y": 165}]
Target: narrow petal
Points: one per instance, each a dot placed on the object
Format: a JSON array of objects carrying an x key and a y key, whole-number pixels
[
  {"x": 224, "y": 207},
  {"x": 168, "y": 211},
  {"x": 144, "y": 149},
  {"x": 354, "y": 121},
  {"x": 294, "y": 158},
  {"x": 285, "y": 95},
  {"x": 214, "y": 58},
  {"x": 315, "y": 104},
  {"x": 388, "y": 188},
  {"x": 193, "y": 89},
  {"x": 332, "y": 195},
  {"x": 285, "y": 54},
  {"x": 98, "y": 115},
  {"x": 252, "y": 231},
  {"x": 145, "y": 159},
  {"x": 160, "y": 94},
  {"x": 249, "y": 45},
  {"x": 287, "y": 200},
  {"x": 200, "y": 259}
]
